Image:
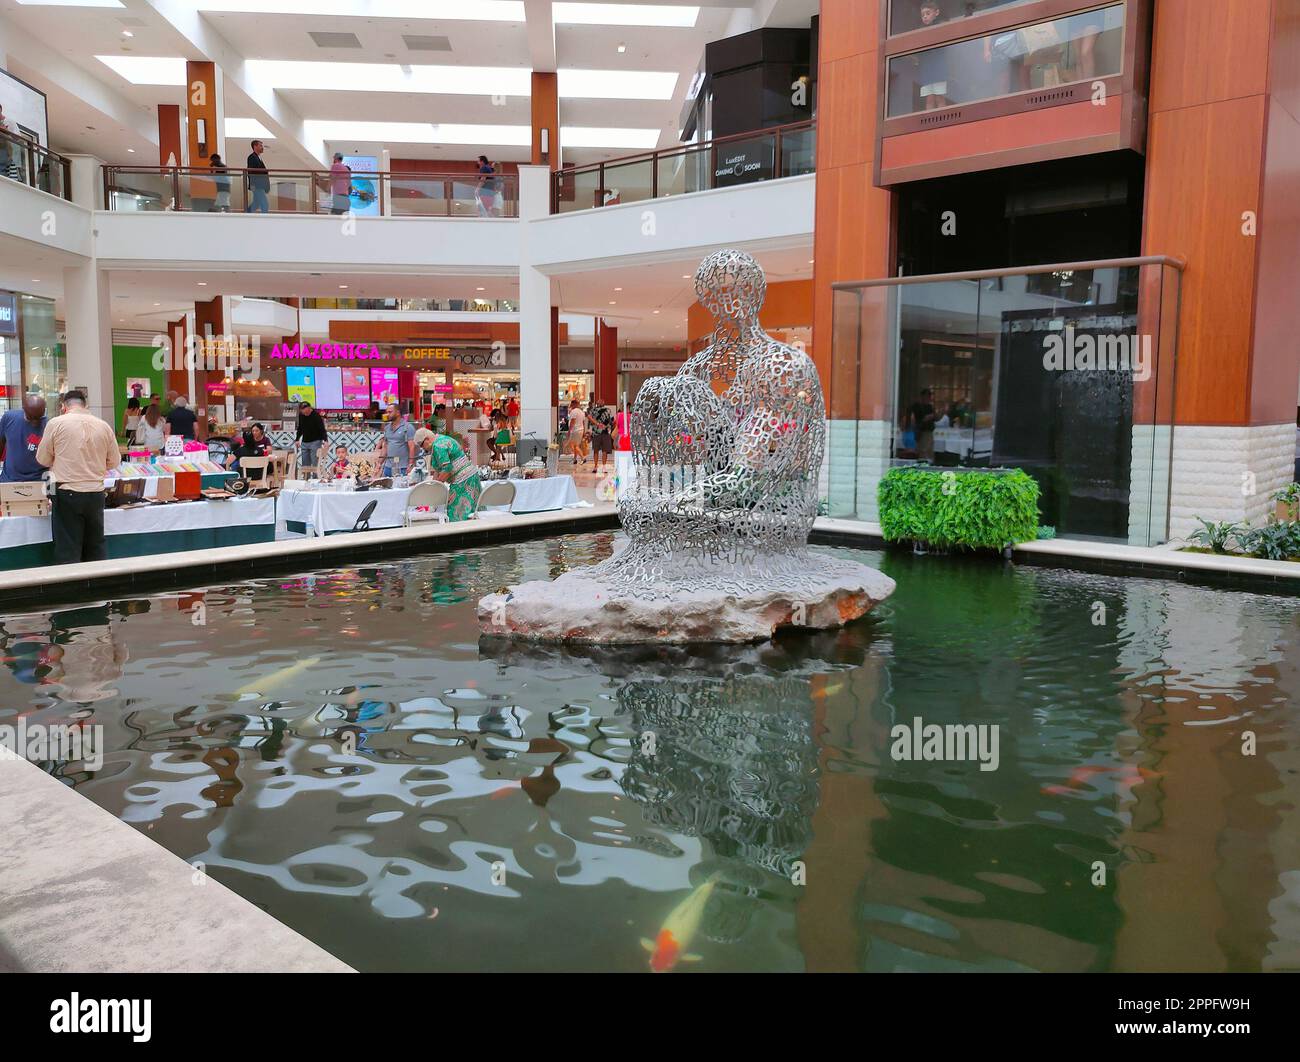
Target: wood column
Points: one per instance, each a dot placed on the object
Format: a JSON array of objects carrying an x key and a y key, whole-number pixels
[
  {"x": 854, "y": 220},
  {"x": 546, "y": 115},
  {"x": 205, "y": 115},
  {"x": 555, "y": 356},
  {"x": 606, "y": 364},
  {"x": 171, "y": 136},
  {"x": 1223, "y": 149}
]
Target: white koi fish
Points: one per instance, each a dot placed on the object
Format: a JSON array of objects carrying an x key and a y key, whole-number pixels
[
  {"x": 263, "y": 684},
  {"x": 679, "y": 929}
]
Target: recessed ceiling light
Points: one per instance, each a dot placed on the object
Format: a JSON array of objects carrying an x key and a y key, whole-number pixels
[
  {"x": 130, "y": 151},
  {"x": 656, "y": 311},
  {"x": 203, "y": 283},
  {"x": 613, "y": 304},
  {"x": 157, "y": 303},
  {"x": 686, "y": 276},
  {"x": 480, "y": 289},
  {"x": 622, "y": 48},
  {"x": 35, "y": 280},
  {"x": 343, "y": 287}
]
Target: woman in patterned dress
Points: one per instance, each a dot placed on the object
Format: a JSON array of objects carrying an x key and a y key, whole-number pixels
[{"x": 447, "y": 462}]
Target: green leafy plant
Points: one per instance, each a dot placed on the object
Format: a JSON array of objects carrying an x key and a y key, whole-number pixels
[
  {"x": 1216, "y": 536},
  {"x": 944, "y": 508},
  {"x": 1289, "y": 498},
  {"x": 1273, "y": 541}
]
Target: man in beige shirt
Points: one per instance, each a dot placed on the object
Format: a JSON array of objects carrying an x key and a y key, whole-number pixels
[{"x": 78, "y": 448}]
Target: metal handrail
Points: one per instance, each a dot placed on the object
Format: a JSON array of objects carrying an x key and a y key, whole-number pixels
[
  {"x": 569, "y": 174},
  {"x": 12, "y": 145},
  {"x": 389, "y": 184},
  {"x": 1013, "y": 271}
]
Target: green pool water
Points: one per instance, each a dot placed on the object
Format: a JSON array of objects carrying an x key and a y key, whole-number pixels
[{"x": 340, "y": 748}]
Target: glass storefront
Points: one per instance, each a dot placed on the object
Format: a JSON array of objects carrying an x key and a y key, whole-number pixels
[
  {"x": 1064, "y": 51},
  {"x": 32, "y": 361}
]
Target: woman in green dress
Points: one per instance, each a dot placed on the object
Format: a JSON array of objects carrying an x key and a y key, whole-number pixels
[{"x": 448, "y": 462}]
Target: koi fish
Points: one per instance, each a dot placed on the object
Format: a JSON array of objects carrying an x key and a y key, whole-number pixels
[
  {"x": 263, "y": 684},
  {"x": 678, "y": 930},
  {"x": 1125, "y": 775}
]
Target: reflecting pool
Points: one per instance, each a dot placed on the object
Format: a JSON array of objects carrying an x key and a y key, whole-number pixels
[{"x": 340, "y": 748}]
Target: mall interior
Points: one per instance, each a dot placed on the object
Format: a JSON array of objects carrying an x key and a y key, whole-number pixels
[{"x": 1047, "y": 246}]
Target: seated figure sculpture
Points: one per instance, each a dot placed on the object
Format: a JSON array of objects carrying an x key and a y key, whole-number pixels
[{"x": 727, "y": 455}]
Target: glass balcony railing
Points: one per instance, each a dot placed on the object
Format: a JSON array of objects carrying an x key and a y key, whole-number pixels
[
  {"x": 1044, "y": 55},
  {"x": 279, "y": 191},
  {"x": 31, "y": 164},
  {"x": 429, "y": 305},
  {"x": 908, "y": 15},
  {"x": 1065, "y": 371},
  {"x": 783, "y": 151}
]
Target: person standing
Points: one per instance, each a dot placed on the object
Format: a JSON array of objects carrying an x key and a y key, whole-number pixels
[
  {"x": 340, "y": 185},
  {"x": 259, "y": 183},
  {"x": 79, "y": 449},
  {"x": 577, "y": 432},
  {"x": 602, "y": 439},
  {"x": 487, "y": 188},
  {"x": 311, "y": 433},
  {"x": 923, "y": 419},
  {"x": 222, "y": 182},
  {"x": 512, "y": 412},
  {"x": 181, "y": 420},
  {"x": 20, "y": 436},
  {"x": 131, "y": 418},
  {"x": 152, "y": 430},
  {"x": 399, "y": 443}
]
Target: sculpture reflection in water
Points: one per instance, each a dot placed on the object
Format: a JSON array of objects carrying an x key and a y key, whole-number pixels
[{"x": 727, "y": 455}]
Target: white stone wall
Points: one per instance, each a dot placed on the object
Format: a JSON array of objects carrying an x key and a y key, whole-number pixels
[
  {"x": 1209, "y": 475},
  {"x": 857, "y": 458},
  {"x": 1148, "y": 500}
]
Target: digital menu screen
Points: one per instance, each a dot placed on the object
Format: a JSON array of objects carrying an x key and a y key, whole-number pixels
[
  {"x": 329, "y": 387},
  {"x": 300, "y": 382},
  {"x": 383, "y": 385},
  {"x": 356, "y": 388}
]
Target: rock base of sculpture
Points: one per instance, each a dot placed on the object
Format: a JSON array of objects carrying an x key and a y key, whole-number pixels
[{"x": 583, "y": 606}]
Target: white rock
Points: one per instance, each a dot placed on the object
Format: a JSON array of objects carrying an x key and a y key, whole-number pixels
[{"x": 578, "y": 607}]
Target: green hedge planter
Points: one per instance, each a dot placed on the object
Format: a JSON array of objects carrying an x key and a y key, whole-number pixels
[{"x": 966, "y": 509}]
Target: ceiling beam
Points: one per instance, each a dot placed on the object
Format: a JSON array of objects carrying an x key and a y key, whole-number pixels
[
  {"x": 540, "y": 23},
  {"x": 285, "y": 123}
]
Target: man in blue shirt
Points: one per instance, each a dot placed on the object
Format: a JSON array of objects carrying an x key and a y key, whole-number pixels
[{"x": 20, "y": 435}]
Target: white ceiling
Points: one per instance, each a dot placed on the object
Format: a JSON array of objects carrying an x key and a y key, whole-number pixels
[{"x": 78, "y": 34}]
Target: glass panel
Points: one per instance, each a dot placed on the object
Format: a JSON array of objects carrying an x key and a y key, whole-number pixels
[
  {"x": 744, "y": 161},
  {"x": 466, "y": 201},
  {"x": 578, "y": 190},
  {"x": 215, "y": 193},
  {"x": 11, "y": 374},
  {"x": 685, "y": 171},
  {"x": 140, "y": 191},
  {"x": 629, "y": 182},
  {"x": 907, "y": 15},
  {"x": 798, "y": 152},
  {"x": 293, "y": 193},
  {"x": 1069, "y": 377},
  {"x": 414, "y": 195},
  {"x": 45, "y": 363},
  {"x": 1075, "y": 48}
]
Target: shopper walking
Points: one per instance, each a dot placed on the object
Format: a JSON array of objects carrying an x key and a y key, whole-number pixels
[
  {"x": 577, "y": 433},
  {"x": 340, "y": 185},
  {"x": 181, "y": 420},
  {"x": 79, "y": 449},
  {"x": 602, "y": 438},
  {"x": 222, "y": 180},
  {"x": 487, "y": 188},
  {"x": 311, "y": 433},
  {"x": 21, "y": 431},
  {"x": 259, "y": 184}
]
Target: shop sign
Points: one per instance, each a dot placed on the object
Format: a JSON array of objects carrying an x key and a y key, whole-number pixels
[
  {"x": 332, "y": 351},
  {"x": 649, "y": 366},
  {"x": 8, "y": 315},
  {"x": 742, "y": 163}
]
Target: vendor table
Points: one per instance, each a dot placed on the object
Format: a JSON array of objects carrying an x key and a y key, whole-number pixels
[
  {"x": 27, "y": 541},
  {"x": 332, "y": 511}
]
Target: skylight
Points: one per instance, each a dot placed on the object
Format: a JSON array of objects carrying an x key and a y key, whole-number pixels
[
  {"x": 389, "y": 77},
  {"x": 585, "y": 136},
  {"x": 624, "y": 14},
  {"x": 71, "y": 3},
  {"x": 146, "y": 69},
  {"x": 618, "y": 84},
  {"x": 247, "y": 129},
  {"x": 419, "y": 133},
  {"x": 459, "y": 10}
]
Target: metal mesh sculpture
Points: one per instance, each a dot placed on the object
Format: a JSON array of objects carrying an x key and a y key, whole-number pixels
[{"x": 727, "y": 454}]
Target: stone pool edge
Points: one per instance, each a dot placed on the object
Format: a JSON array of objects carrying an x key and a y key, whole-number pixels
[
  {"x": 86, "y": 893},
  {"x": 25, "y": 587},
  {"x": 1106, "y": 558}
]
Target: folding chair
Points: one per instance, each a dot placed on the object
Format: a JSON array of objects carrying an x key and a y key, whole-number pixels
[
  {"x": 498, "y": 492},
  {"x": 434, "y": 495},
  {"x": 363, "y": 520}
]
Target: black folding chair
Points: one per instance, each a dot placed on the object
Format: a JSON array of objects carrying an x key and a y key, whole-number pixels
[{"x": 363, "y": 521}]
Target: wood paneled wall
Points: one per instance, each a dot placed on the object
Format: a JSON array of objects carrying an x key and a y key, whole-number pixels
[
  {"x": 1224, "y": 146},
  {"x": 854, "y": 222}
]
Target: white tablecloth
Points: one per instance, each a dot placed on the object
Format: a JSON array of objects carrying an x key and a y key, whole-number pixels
[
  {"x": 152, "y": 519},
  {"x": 543, "y": 495},
  {"x": 328, "y": 510}
]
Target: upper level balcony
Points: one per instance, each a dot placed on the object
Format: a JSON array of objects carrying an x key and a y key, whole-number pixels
[
  {"x": 732, "y": 161},
  {"x": 29, "y": 163},
  {"x": 200, "y": 189},
  {"x": 1012, "y": 82}
]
